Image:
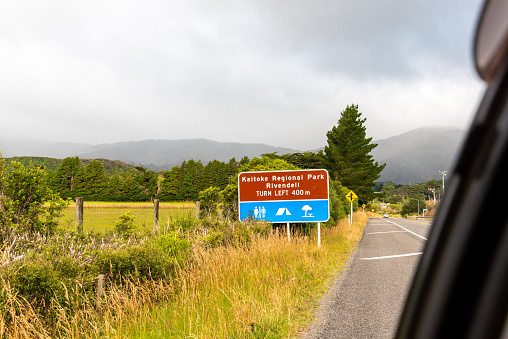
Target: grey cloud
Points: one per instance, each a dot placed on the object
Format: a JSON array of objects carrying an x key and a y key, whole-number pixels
[{"x": 205, "y": 69}]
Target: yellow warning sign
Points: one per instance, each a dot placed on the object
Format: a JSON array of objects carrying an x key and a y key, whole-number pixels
[{"x": 351, "y": 196}]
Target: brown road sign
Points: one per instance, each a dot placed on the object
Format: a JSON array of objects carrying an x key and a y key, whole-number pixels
[
  {"x": 284, "y": 196},
  {"x": 283, "y": 185}
]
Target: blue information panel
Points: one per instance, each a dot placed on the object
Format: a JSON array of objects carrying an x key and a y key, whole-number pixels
[{"x": 286, "y": 211}]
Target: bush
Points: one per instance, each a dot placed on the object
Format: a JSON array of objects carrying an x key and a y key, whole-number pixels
[
  {"x": 174, "y": 246},
  {"x": 210, "y": 200},
  {"x": 27, "y": 204},
  {"x": 37, "y": 281},
  {"x": 413, "y": 206},
  {"x": 219, "y": 232},
  {"x": 213, "y": 239},
  {"x": 43, "y": 283},
  {"x": 124, "y": 227},
  {"x": 143, "y": 262}
]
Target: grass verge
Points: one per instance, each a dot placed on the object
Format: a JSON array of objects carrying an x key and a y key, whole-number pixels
[{"x": 268, "y": 289}]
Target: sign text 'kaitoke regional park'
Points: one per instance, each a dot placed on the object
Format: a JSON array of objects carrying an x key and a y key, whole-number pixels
[{"x": 284, "y": 196}]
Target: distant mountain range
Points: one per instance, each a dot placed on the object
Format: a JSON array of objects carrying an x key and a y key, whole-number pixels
[
  {"x": 412, "y": 157},
  {"x": 156, "y": 155},
  {"x": 418, "y": 156}
]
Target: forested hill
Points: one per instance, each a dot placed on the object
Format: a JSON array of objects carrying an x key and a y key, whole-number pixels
[{"x": 51, "y": 164}]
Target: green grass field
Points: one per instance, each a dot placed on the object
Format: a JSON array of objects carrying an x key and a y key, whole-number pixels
[{"x": 102, "y": 216}]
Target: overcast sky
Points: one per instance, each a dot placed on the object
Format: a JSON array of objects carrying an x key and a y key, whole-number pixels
[{"x": 277, "y": 72}]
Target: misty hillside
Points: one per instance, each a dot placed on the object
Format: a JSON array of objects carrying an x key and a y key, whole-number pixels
[
  {"x": 418, "y": 155},
  {"x": 157, "y": 155},
  {"x": 164, "y": 154},
  {"x": 21, "y": 147}
]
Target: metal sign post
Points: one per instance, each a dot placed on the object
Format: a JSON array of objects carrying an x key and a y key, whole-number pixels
[
  {"x": 318, "y": 234},
  {"x": 351, "y": 196}
]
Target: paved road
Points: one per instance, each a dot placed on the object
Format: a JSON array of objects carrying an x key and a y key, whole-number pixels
[{"x": 366, "y": 300}]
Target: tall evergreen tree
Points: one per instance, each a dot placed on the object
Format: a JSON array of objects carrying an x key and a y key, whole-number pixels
[
  {"x": 232, "y": 169},
  {"x": 63, "y": 180},
  {"x": 186, "y": 179},
  {"x": 347, "y": 156},
  {"x": 209, "y": 174},
  {"x": 197, "y": 179},
  {"x": 92, "y": 183},
  {"x": 113, "y": 191},
  {"x": 170, "y": 184},
  {"x": 305, "y": 160},
  {"x": 147, "y": 182}
]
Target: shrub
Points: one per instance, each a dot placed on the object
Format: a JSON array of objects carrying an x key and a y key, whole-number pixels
[
  {"x": 213, "y": 239},
  {"x": 210, "y": 200},
  {"x": 27, "y": 204},
  {"x": 172, "y": 245},
  {"x": 218, "y": 232},
  {"x": 124, "y": 227},
  {"x": 413, "y": 206},
  {"x": 40, "y": 283},
  {"x": 141, "y": 262}
]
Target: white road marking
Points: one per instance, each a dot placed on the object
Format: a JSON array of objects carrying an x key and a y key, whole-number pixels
[
  {"x": 393, "y": 256},
  {"x": 407, "y": 230},
  {"x": 387, "y": 232}
]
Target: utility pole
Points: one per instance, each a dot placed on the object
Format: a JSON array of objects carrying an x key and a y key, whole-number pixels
[
  {"x": 443, "y": 173},
  {"x": 433, "y": 190}
]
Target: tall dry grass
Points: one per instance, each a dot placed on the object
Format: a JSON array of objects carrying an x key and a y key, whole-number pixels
[{"x": 265, "y": 289}]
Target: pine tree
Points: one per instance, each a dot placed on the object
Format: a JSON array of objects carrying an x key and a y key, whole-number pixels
[
  {"x": 114, "y": 190},
  {"x": 170, "y": 185},
  {"x": 185, "y": 180},
  {"x": 147, "y": 181},
  {"x": 92, "y": 183},
  {"x": 197, "y": 179},
  {"x": 347, "y": 156},
  {"x": 63, "y": 180},
  {"x": 209, "y": 174}
]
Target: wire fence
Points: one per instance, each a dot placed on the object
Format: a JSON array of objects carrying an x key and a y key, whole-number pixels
[{"x": 102, "y": 216}]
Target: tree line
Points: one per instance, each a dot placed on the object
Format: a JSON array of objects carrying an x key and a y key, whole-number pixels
[
  {"x": 411, "y": 198},
  {"x": 182, "y": 183}
]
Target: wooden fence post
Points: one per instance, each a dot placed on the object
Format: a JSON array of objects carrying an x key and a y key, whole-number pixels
[
  {"x": 198, "y": 203},
  {"x": 155, "y": 216},
  {"x": 79, "y": 215},
  {"x": 100, "y": 290}
]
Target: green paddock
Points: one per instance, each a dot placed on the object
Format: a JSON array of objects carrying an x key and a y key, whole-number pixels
[{"x": 102, "y": 216}]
